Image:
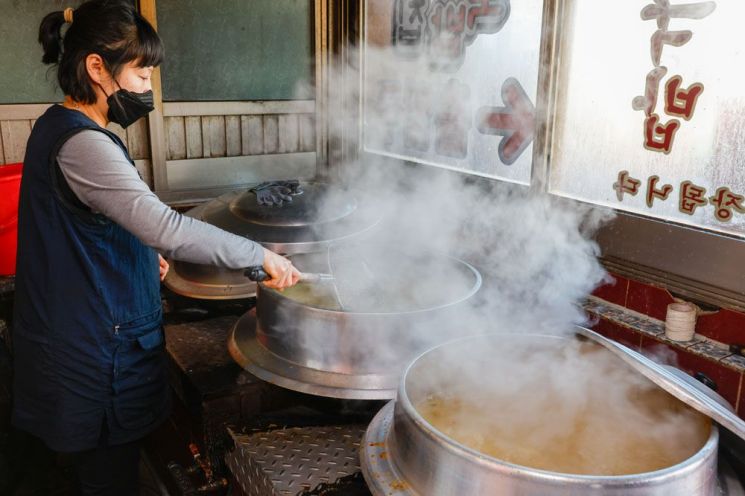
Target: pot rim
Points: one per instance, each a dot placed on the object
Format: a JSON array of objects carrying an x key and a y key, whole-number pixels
[
  {"x": 472, "y": 291},
  {"x": 497, "y": 464}
]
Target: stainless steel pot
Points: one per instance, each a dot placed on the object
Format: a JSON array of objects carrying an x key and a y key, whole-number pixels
[
  {"x": 403, "y": 454},
  {"x": 323, "y": 214},
  {"x": 345, "y": 354}
]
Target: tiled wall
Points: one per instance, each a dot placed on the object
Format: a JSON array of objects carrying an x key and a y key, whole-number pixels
[
  {"x": 633, "y": 314},
  {"x": 725, "y": 326}
]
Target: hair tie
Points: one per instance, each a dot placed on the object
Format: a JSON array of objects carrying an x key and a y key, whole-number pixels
[{"x": 68, "y": 15}]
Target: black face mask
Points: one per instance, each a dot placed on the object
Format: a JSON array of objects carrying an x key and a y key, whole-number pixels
[{"x": 125, "y": 107}]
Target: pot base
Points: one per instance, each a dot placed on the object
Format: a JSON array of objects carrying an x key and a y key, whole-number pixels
[
  {"x": 253, "y": 356},
  {"x": 193, "y": 288},
  {"x": 377, "y": 467}
]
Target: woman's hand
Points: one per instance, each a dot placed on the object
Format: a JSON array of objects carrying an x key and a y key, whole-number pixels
[
  {"x": 283, "y": 274},
  {"x": 163, "y": 267}
]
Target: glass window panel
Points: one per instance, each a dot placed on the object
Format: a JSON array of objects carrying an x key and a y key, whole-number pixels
[
  {"x": 236, "y": 50},
  {"x": 452, "y": 83},
  {"x": 677, "y": 75},
  {"x": 23, "y": 78}
]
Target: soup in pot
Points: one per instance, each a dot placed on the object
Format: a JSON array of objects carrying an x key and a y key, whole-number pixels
[
  {"x": 384, "y": 282},
  {"x": 578, "y": 410}
]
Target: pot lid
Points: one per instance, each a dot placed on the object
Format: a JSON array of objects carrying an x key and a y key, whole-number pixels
[
  {"x": 321, "y": 215},
  {"x": 319, "y": 203},
  {"x": 677, "y": 383}
]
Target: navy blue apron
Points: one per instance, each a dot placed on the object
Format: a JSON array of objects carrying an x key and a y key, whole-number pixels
[{"x": 88, "y": 342}]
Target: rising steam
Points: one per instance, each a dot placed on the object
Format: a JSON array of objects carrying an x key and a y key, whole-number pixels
[{"x": 535, "y": 252}]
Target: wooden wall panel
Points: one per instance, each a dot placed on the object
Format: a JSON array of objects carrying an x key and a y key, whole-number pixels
[
  {"x": 16, "y": 122},
  {"x": 193, "y": 127},
  {"x": 213, "y": 136},
  {"x": 198, "y": 133},
  {"x": 15, "y": 134},
  {"x": 271, "y": 134},
  {"x": 252, "y": 134},
  {"x": 238, "y": 171},
  {"x": 288, "y": 133},
  {"x": 193, "y": 137},
  {"x": 306, "y": 132},
  {"x": 232, "y": 135},
  {"x": 175, "y": 138},
  {"x": 138, "y": 142}
]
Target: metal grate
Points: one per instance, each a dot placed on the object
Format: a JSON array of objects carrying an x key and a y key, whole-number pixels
[{"x": 293, "y": 461}]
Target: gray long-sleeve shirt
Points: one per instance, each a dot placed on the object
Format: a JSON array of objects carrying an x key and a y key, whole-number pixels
[{"x": 100, "y": 175}]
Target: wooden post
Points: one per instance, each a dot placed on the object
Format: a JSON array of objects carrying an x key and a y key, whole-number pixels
[
  {"x": 155, "y": 119},
  {"x": 334, "y": 74},
  {"x": 553, "y": 11},
  {"x": 322, "y": 57}
]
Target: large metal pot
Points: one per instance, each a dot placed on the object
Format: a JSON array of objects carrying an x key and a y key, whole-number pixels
[
  {"x": 347, "y": 354},
  {"x": 323, "y": 214},
  {"x": 403, "y": 454}
]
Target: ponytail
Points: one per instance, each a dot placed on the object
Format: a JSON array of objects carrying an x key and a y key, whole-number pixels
[{"x": 50, "y": 36}]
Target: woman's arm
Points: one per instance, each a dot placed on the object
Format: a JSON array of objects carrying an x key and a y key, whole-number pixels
[{"x": 100, "y": 175}]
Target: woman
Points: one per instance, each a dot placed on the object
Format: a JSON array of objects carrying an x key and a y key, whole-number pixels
[{"x": 89, "y": 374}]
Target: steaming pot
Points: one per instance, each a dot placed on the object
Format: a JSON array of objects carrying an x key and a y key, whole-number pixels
[
  {"x": 403, "y": 454},
  {"x": 348, "y": 354},
  {"x": 321, "y": 215}
]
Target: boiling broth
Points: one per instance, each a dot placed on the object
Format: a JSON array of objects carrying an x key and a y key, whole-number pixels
[
  {"x": 381, "y": 282},
  {"x": 319, "y": 295},
  {"x": 616, "y": 428},
  {"x": 385, "y": 297}
]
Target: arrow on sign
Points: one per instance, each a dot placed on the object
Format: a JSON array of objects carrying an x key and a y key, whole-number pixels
[{"x": 515, "y": 121}]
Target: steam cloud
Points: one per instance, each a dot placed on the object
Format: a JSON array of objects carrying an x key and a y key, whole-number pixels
[
  {"x": 572, "y": 408},
  {"x": 535, "y": 252}
]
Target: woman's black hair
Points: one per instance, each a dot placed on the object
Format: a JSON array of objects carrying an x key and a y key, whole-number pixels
[{"x": 112, "y": 29}]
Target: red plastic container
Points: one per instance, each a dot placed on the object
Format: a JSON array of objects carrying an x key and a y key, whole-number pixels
[{"x": 10, "y": 185}]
